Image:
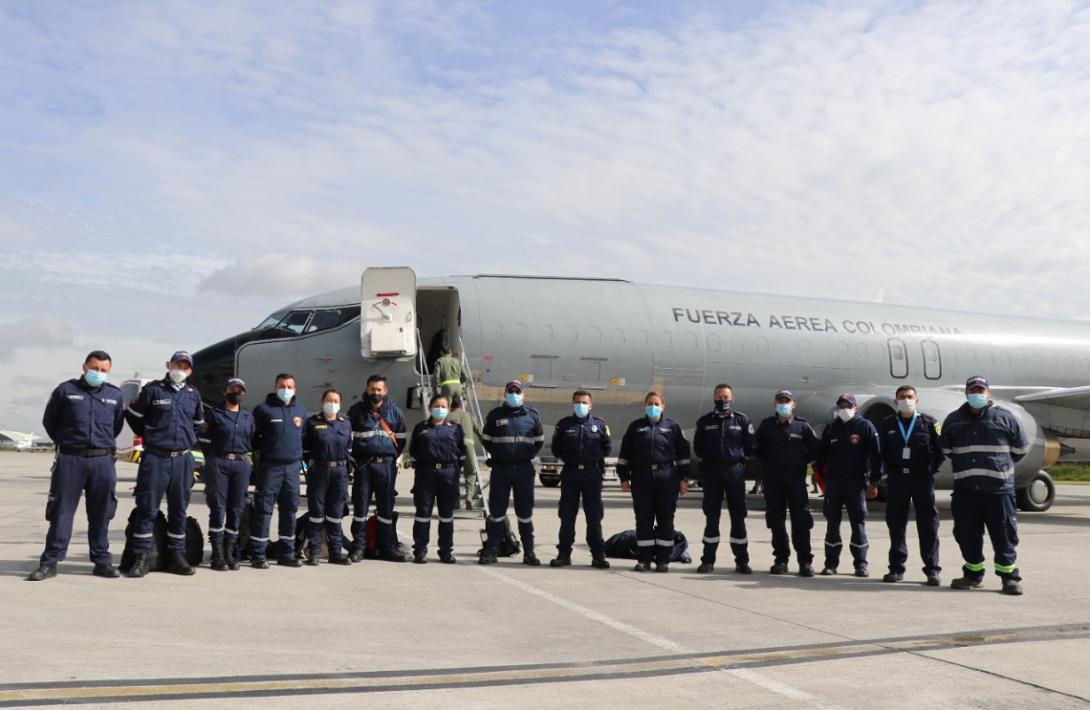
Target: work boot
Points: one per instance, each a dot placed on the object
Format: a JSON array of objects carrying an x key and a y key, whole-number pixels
[
  {"x": 313, "y": 559},
  {"x": 662, "y": 567},
  {"x": 487, "y": 556},
  {"x": 828, "y": 571},
  {"x": 139, "y": 566},
  {"x": 105, "y": 571},
  {"x": 447, "y": 558},
  {"x": 420, "y": 557},
  {"x": 562, "y": 560},
  {"x": 219, "y": 563},
  {"x": 42, "y": 573},
  {"x": 599, "y": 562},
  {"x": 933, "y": 579},
  {"x": 862, "y": 571},
  {"x": 1012, "y": 587},
  {"x": 778, "y": 568},
  {"x": 530, "y": 559},
  {"x": 966, "y": 583},
  {"x": 178, "y": 564},
  {"x": 289, "y": 562},
  {"x": 230, "y": 552},
  {"x": 394, "y": 555},
  {"x": 340, "y": 560},
  {"x": 355, "y": 556},
  {"x": 259, "y": 563},
  {"x": 892, "y": 577},
  {"x": 806, "y": 570},
  {"x": 743, "y": 568},
  {"x": 705, "y": 568},
  {"x": 642, "y": 567}
]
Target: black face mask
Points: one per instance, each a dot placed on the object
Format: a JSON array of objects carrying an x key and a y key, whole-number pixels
[
  {"x": 376, "y": 399},
  {"x": 233, "y": 397},
  {"x": 723, "y": 405}
]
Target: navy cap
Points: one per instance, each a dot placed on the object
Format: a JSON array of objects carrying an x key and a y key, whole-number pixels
[
  {"x": 182, "y": 356},
  {"x": 976, "y": 381},
  {"x": 849, "y": 398},
  {"x": 513, "y": 385},
  {"x": 235, "y": 382},
  {"x": 785, "y": 393}
]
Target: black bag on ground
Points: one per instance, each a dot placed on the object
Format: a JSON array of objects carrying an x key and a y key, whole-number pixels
[
  {"x": 157, "y": 555},
  {"x": 509, "y": 544},
  {"x": 623, "y": 546}
]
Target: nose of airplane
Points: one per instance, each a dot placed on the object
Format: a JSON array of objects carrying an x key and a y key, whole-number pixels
[{"x": 212, "y": 367}]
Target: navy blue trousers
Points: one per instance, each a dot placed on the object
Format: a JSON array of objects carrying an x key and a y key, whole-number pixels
[
  {"x": 585, "y": 484},
  {"x": 725, "y": 481},
  {"x": 841, "y": 494},
  {"x": 277, "y": 485},
  {"x": 781, "y": 496},
  {"x": 225, "y": 484},
  {"x": 71, "y": 477},
  {"x": 433, "y": 487},
  {"x": 327, "y": 493},
  {"x": 974, "y": 512},
  {"x": 156, "y": 477},
  {"x": 506, "y": 479},
  {"x": 903, "y": 493},
  {"x": 375, "y": 480},
  {"x": 654, "y": 500}
]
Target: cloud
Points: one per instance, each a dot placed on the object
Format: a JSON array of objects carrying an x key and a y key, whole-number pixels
[
  {"x": 30, "y": 381},
  {"x": 33, "y": 333},
  {"x": 283, "y": 275}
]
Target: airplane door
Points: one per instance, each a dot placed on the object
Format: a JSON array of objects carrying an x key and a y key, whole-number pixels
[
  {"x": 932, "y": 360},
  {"x": 898, "y": 358},
  {"x": 388, "y": 313}
]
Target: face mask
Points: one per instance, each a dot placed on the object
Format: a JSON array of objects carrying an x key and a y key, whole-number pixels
[
  {"x": 439, "y": 413},
  {"x": 177, "y": 376},
  {"x": 845, "y": 414},
  {"x": 376, "y": 399},
  {"x": 906, "y": 406},
  {"x": 977, "y": 400},
  {"x": 285, "y": 394},
  {"x": 784, "y": 410},
  {"x": 95, "y": 378},
  {"x": 581, "y": 410},
  {"x": 331, "y": 408},
  {"x": 513, "y": 399},
  {"x": 233, "y": 397},
  {"x": 723, "y": 405},
  {"x": 653, "y": 411}
]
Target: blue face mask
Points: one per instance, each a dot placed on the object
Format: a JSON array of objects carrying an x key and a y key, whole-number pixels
[
  {"x": 513, "y": 399},
  {"x": 581, "y": 409},
  {"x": 977, "y": 400},
  {"x": 653, "y": 411},
  {"x": 95, "y": 378},
  {"x": 285, "y": 394},
  {"x": 439, "y": 413},
  {"x": 784, "y": 410}
]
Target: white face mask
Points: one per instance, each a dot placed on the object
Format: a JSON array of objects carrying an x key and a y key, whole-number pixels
[
  {"x": 331, "y": 408},
  {"x": 177, "y": 376},
  {"x": 906, "y": 406},
  {"x": 846, "y": 414}
]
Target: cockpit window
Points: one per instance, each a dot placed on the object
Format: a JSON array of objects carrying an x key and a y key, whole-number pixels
[
  {"x": 307, "y": 321},
  {"x": 272, "y": 320},
  {"x": 324, "y": 320},
  {"x": 295, "y": 321}
]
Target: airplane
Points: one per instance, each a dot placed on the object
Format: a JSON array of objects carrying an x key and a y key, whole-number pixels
[{"x": 619, "y": 339}]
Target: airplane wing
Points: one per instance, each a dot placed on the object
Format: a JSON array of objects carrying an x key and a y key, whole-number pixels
[{"x": 1065, "y": 410}]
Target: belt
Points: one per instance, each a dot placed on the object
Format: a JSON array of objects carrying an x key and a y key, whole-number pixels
[
  {"x": 84, "y": 452},
  {"x": 331, "y": 464},
  {"x": 584, "y": 466},
  {"x": 379, "y": 459},
  {"x": 164, "y": 452},
  {"x": 441, "y": 465},
  {"x": 662, "y": 467},
  {"x": 233, "y": 456},
  {"x": 444, "y": 383}
]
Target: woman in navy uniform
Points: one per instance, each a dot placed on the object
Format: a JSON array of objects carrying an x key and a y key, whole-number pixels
[
  {"x": 327, "y": 443},
  {"x": 654, "y": 466},
  {"x": 438, "y": 450}
]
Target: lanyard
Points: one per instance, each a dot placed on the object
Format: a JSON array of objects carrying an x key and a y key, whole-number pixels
[{"x": 906, "y": 435}]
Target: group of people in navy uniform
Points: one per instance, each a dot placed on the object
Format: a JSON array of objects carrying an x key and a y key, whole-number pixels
[{"x": 352, "y": 457}]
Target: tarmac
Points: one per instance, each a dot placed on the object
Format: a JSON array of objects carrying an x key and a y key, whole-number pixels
[{"x": 464, "y": 636}]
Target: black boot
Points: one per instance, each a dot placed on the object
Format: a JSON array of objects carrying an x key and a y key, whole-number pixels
[
  {"x": 139, "y": 566},
  {"x": 530, "y": 559},
  {"x": 487, "y": 556},
  {"x": 219, "y": 562},
  {"x": 43, "y": 572},
  {"x": 105, "y": 571},
  {"x": 562, "y": 560},
  {"x": 230, "y": 550},
  {"x": 179, "y": 565},
  {"x": 599, "y": 562}
]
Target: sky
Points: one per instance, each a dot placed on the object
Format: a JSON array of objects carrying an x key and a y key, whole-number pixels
[{"x": 172, "y": 172}]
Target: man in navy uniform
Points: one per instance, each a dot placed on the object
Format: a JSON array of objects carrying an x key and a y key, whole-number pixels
[
  {"x": 512, "y": 436},
  {"x": 167, "y": 414},
  {"x": 83, "y": 418},
  {"x": 278, "y": 443},
  {"x": 984, "y": 441},
  {"x": 723, "y": 441},
  {"x": 850, "y": 455},
  {"x": 582, "y": 442}
]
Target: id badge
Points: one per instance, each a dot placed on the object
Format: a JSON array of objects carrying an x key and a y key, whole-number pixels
[{"x": 906, "y": 453}]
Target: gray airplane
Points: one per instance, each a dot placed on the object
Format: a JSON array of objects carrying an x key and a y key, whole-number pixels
[{"x": 619, "y": 339}]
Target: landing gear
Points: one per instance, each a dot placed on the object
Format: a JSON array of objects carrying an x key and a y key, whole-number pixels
[{"x": 1038, "y": 496}]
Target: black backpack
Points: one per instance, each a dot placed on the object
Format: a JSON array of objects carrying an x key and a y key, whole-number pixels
[
  {"x": 623, "y": 546},
  {"x": 509, "y": 544},
  {"x": 157, "y": 556}
]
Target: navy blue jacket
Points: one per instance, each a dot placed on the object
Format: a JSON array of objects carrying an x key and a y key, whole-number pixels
[
  {"x": 369, "y": 439},
  {"x": 325, "y": 440},
  {"x": 512, "y": 435},
  {"x": 278, "y": 430},
  {"x": 983, "y": 448},
  {"x": 227, "y": 432},
  {"x": 785, "y": 450},
  {"x": 925, "y": 448},
  {"x": 645, "y": 444},
  {"x": 851, "y": 451},
  {"x": 437, "y": 443},
  {"x": 724, "y": 439},
  {"x": 82, "y": 416},
  {"x": 582, "y": 442},
  {"x": 166, "y": 415}
]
